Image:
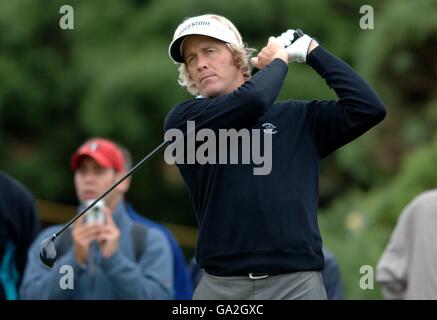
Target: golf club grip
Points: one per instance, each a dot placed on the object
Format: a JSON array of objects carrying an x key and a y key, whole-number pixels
[{"x": 296, "y": 35}]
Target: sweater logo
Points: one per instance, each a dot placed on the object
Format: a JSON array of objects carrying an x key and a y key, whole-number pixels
[{"x": 269, "y": 128}]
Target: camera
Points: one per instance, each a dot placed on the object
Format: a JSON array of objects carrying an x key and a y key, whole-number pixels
[{"x": 95, "y": 214}]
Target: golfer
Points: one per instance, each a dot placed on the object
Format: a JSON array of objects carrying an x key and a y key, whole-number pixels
[{"x": 258, "y": 234}]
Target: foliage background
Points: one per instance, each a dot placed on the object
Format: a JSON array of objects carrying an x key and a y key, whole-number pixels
[{"x": 111, "y": 77}]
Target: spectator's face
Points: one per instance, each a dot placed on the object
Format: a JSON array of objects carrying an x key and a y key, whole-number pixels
[
  {"x": 211, "y": 66},
  {"x": 92, "y": 180}
]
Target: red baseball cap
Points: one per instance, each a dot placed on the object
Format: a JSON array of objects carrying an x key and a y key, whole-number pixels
[{"x": 103, "y": 151}]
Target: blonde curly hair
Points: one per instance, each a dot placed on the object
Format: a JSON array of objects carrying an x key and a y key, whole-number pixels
[{"x": 240, "y": 53}]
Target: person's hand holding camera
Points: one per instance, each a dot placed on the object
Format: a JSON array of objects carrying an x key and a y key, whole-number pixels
[
  {"x": 83, "y": 234},
  {"x": 97, "y": 225},
  {"x": 109, "y": 235}
]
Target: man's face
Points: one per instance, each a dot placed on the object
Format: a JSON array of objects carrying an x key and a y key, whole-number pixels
[
  {"x": 211, "y": 66},
  {"x": 92, "y": 180}
]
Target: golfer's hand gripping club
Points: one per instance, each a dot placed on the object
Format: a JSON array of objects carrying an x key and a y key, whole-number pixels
[{"x": 297, "y": 44}]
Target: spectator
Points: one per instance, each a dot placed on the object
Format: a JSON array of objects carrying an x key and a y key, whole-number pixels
[
  {"x": 19, "y": 225},
  {"x": 407, "y": 268},
  {"x": 258, "y": 234},
  {"x": 119, "y": 259}
]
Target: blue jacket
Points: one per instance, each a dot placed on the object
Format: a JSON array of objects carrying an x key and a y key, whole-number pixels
[
  {"x": 183, "y": 286},
  {"x": 331, "y": 276},
  {"x": 118, "y": 277}
]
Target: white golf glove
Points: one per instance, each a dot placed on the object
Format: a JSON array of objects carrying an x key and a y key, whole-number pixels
[{"x": 296, "y": 43}]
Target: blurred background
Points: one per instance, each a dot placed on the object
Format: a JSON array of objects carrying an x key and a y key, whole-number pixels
[{"x": 110, "y": 76}]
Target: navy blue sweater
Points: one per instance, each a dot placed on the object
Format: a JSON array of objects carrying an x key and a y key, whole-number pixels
[{"x": 268, "y": 223}]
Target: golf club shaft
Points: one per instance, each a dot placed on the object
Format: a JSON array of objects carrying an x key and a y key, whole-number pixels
[{"x": 131, "y": 171}]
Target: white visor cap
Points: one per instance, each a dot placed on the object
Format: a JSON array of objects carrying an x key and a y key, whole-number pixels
[{"x": 201, "y": 25}]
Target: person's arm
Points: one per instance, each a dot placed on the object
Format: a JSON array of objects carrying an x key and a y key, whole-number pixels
[
  {"x": 358, "y": 108},
  {"x": 393, "y": 266},
  {"x": 233, "y": 110},
  {"x": 42, "y": 283},
  {"x": 150, "y": 278}
]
